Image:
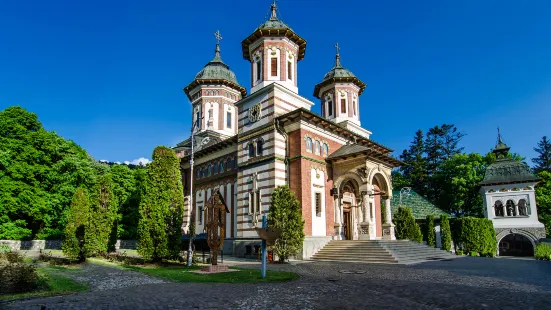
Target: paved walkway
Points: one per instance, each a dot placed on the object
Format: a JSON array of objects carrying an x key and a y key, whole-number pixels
[{"x": 466, "y": 283}]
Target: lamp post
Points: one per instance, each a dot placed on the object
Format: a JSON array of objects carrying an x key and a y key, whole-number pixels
[
  {"x": 405, "y": 191},
  {"x": 192, "y": 215}
]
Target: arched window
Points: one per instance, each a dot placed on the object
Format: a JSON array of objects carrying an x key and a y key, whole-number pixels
[
  {"x": 329, "y": 105},
  {"x": 235, "y": 162},
  {"x": 228, "y": 164},
  {"x": 215, "y": 168},
  {"x": 317, "y": 147},
  {"x": 522, "y": 208},
  {"x": 499, "y": 208},
  {"x": 198, "y": 173},
  {"x": 325, "y": 149},
  {"x": 251, "y": 150},
  {"x": 204, "y": 172},
  {"x": 309, "y": 144},
  {"x": 210, "y": 171},
  {"x": 221, "y": 164},
  {"x": 259, "y": 147},
  {"x": 355, "y": 105},
  {"x": 510, "y": 206}
]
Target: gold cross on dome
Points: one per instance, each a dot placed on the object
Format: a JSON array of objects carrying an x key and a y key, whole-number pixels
[
  {"x": 337, "y": 47},
  {"x": 218, "y": 36}
]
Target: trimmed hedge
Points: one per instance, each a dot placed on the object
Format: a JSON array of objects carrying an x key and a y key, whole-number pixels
[
  {"x": 406, "y": 227},
  {"x": 430, "y": 233},
  {"x": 543, "y": 251},
  {"x": 445, "y": 233},
  {"x": 475, "y": 236}
]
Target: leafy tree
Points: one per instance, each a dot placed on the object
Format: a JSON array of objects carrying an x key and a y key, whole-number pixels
[
  {"x": 414, "y": 170},
  {"x": 459, "y": 178},
  {"x": 39, "y": 173},
  {"x": 128, "y": 186},
  {"x": 77, "y": 222},
  {"x": 399, "y": 180},
  {"x": 445, "y": 233},
  {"x": 543, "y": 161},
  {"x": 103, "y": 212},
  {"x": 406, "y": 227},
  {"x": 285, "y": 213},
  {"x": 441, "y": 143},
  {"x": 543, "y": 200},
  {"x": 161, "y": 208},
  {"x": 430, "y": 233}
]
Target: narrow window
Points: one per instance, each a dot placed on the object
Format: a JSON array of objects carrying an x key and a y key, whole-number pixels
[
  {"x": 317, "y": 147},
  {"x": 210, "y": 170},
  {"x": 258, "y": 202},
  {"x": 325, "y": 149},
  {"x": 228, "y": 164},
  {"x": 258, "y": 70},
  {"x": 215, "y": 169},
  {"x": 274, "y": 66},
  {"x": 318, "y": 204},
  {"x": 228, "y": 119},
  {"x": 309, "y": 144},
  {"x": 198, "y": 119},
  {"x": 198, "y": 174},
  {"x": 354, "y": 105},
  {"x": 200, "y": 215},
  {"x": 343, "y": 105},
  {"x": 289, "y": 70},
  {"x": 259, "y": 147},
  {"x": 221, "y": 166},
  {"x": 330, "y": 107},
  {"x": 251, "y": 150}
]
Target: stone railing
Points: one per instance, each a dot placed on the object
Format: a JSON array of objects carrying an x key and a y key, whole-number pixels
[{"x": 36, "y": 245}]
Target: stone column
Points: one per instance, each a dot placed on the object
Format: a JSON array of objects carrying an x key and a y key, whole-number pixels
[
  {"x": 516, "y": 210},
  {"x": 366, "y": 219},
  {"x": 388, "y": 227},
  {"x": 339, "y": 232}
]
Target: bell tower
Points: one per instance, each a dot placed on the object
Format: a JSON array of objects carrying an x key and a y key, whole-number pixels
[
  {"x": 213, "y": 94},
  {"x": 339, "y": 92},
  {"x": 274, "y": 51}
]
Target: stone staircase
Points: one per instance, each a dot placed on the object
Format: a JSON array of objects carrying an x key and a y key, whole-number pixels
[{"x": 380, "y": 252}]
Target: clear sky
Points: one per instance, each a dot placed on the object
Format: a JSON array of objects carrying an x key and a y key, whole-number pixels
[{"x": 109, "y": 74}]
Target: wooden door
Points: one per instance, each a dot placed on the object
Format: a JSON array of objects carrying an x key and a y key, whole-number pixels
[{"x": 347, "y": 225}]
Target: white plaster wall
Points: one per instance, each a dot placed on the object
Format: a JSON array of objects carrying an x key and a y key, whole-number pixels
[{"x": 318, "y": 186}]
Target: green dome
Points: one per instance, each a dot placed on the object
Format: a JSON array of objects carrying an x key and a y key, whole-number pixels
[
  {"x": 505, "y": 170},
  {"x": 216, "y": 69},
  {"x": 338, "y": 72}
]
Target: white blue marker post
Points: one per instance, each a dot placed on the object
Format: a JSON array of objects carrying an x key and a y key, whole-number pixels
[{"x": 264, "y": 226}]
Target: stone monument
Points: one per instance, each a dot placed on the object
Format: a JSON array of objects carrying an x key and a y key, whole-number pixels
[{"x": 215, "y": 227}]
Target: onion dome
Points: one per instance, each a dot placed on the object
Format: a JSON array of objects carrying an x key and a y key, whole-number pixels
[
  {"x": 338, "y": 74},
  {"x": 506, "y": 170},
  {"x": 273, "y": 27},
  {"x": 216, "y": 72}
]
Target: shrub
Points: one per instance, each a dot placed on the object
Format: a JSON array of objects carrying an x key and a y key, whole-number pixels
[
  {"x": 445, "y": 233},
  {"x": 79, "y": 214},
  {"x": 476, "y": 235},
  {"x": 17, "y": 277},
  {"x": 406, "y": 227},
  {"x": 474, "y": 254},
  {"x": 459, "y": 252},
  {"x": 4, "y": 248},
  {"x": 543, "y": 251},
  {"x": 285, "y": 213},
  {"x": 429, "y": 232}
]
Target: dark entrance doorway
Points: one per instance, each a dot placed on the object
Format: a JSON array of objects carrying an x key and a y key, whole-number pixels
[
  {"x": 515, "y": 245},
  {"x": 347, "y": 222}
]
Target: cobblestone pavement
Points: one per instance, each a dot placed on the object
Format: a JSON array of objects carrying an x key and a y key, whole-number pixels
[{"x": 465, "y": 283}]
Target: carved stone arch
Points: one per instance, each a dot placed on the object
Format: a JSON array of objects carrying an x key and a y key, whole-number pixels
[
  {"x": 381, "y": 179},
  {"x": 355, "y": 178},
  {"x": 534, "y": 240}
]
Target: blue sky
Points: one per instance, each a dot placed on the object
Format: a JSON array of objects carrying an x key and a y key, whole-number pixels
[{"x": 109, "y": 74}]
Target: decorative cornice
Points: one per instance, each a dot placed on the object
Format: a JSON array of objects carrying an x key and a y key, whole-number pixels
[
  {"x": 259, "y": 131},
  {"x": 256, "y": 162},
  {"x": 307, "y": 158}
]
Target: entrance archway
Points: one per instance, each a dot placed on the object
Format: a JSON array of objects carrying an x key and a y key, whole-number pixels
[
  {"x": 381, "y": 194},
  {"x": 515, "y": 245}
]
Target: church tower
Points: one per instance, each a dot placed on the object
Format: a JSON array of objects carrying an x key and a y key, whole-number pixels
[
  {"x": 213, "y": 94},
  {"x": 274, "y": 51},
  {"x": 339, "y": 93}
]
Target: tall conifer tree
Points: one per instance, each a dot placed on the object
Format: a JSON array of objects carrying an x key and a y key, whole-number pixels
[
  {"x": 543, "y": 161},
  {"x": 161, "y": 208},
  {"x": 103, "y": 212},
  {"x": 77, "y": 220},
  {"x": 414, "y": 169}
]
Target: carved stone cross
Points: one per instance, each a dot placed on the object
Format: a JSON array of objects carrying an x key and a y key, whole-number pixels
[{"x": 215, "y": 224}]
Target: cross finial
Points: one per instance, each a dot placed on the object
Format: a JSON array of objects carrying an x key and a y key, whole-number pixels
[
  {"x": 498, "y": 136},
  {"x": 274, "y": 10},
  {"x": 218, "y": 36},
  {"x": 338, "y": 56}
]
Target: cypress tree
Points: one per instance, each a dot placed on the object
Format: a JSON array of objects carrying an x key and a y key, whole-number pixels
[
  {"x": 406, "y": 227},
  {"x": 285, "y": 213},
  {"x": 103, "y": 212},
  {"x": 445, "y": 233},
  {"x": 430, "y": 233},
  {"x": 161, "y": 208},
  {"x": 77, "y": 220}
]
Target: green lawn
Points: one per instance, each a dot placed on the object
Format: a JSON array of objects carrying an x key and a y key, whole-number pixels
[
  {"x": 183, "y": 274},
  {"x": 54, "y": 283}
]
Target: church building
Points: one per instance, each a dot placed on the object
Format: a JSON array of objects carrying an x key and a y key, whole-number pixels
[{"x": 247, "y": 143}]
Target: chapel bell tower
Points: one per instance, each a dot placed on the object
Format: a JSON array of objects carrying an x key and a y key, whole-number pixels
[{"x": 274, "y": 50}]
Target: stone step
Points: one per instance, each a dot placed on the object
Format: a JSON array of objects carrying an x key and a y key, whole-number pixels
[
  {"x": 354, "y": 256},
  {"x": 358, "y": 261}
]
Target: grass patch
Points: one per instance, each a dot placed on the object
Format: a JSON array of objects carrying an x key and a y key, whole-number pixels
[
  {"x": 183, "y": 274},
  {"x": 52, "y": 283}
]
